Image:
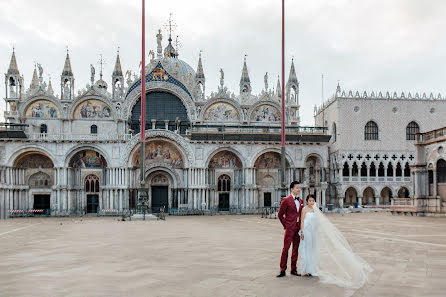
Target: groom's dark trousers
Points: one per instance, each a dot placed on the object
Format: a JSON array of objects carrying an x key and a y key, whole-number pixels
[{"x": 290, "y": 219}]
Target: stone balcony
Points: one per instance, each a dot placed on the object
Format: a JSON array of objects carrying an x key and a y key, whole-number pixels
[
  {"x": 78, "y": 137},
  {"x": 374, "y": 179},
  {"x": 431, "y": 136}
]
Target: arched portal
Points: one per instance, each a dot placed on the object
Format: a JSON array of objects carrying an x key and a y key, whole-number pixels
[
  {"x": 38, "y": 173},
  {"x": 386, "y": 196},
  {"x": 368, "y": 196},
  {"x": 226, "y": 168},
  {"x": 161, "y": 107},
  {"x": 441, "y": 179},
  {"x": 224, "y": 188},
  {"x": 92, "y": 192},
  {"x": 403, "y": 192},
  {"x": 351, "y": 196},
  {"x": 267, "y": 168}
]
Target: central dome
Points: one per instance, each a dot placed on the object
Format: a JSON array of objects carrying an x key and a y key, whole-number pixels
[{"x": 180, "y": 67}]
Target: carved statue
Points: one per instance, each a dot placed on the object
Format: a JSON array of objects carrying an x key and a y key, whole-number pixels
[
  {"x": 40, "y": 70},
  {"x": 128, "y": 76},
  {"x": 93, "y": 72},
  {"x": 66, "y": 91},
  {"x": 117, "y": 90},
  {"x": 159, "y": 74},
  {"x": 265, "y": 79},
  {"x": 159, "y": 38},
  {"x": 222, "y": 74}
]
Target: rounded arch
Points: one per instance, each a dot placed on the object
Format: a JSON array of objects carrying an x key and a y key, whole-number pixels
[
  {"x": 91, "y": 107},
  {"x": 24, "y": 108},
  {"x": 40, "y": 180},
  {"x": 368, "y": 195},
  {"x": 403, "y": 192},
  {"x": 441, "y": 170},
  {"x": 158, "y": 86},
  {"x": 182, "y": 145},
  {"x": 256, "y": 156},
  {"x": 173, "y": 177},
  {"x": 316, "y": 155},
  {"x": 386, "y": 195},
  {"x": 225, "y": 156},
  {"x": 214, "y": 102},
  {"x": 161, "y": 152},
  {"x": 252, "y": 110},
  {"x": 80, "y": 148},
  {"x": 29, "y": 150},
  {"x": 351, "y": 195}
]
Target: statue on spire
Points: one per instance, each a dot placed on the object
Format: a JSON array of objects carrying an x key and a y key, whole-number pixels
[
  {"x": 265, "y": 80},
  {"x": 93, "y": 72}
]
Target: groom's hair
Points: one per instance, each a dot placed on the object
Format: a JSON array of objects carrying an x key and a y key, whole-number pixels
[
  {"x": 311, "y": 196},
  {"x": 293, "y": 184}
]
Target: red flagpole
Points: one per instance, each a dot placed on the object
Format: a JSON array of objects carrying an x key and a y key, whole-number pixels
[
  {"x": 283, "y": 154},
  {"x": 143, "y": 75},
  {"x": 283, "y": 73},
  {"x": 143, "y": 93}
]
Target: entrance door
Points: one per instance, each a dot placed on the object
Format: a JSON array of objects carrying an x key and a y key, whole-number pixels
[
  {"x": 267, "y": 199},
  {"x": 223, "y": 202},
  {"x": 160, "y": 198},
  {"x": 42, "y": 202},
  {"x": 92, "y": 203}
]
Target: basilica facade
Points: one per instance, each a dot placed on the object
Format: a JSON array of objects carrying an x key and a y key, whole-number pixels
[{"x": 79, "y": 152}]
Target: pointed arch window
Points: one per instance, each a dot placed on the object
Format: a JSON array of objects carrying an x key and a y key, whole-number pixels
[
  {"x": 371, "y": 131},
  {"x": 411, "y": 130}
]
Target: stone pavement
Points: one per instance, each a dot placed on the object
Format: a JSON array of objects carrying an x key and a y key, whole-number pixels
[{"x": 209, "y": 256}]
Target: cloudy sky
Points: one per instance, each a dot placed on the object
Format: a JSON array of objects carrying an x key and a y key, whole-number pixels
[{"x": 395, "y": 45}]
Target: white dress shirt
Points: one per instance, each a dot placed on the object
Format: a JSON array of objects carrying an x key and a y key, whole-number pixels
[{"x": 296, "y": 201}]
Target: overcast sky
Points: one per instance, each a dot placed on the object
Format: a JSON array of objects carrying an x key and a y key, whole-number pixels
[{"x": 395, "y": 45}]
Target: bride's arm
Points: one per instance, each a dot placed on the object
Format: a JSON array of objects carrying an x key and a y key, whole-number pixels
[{"x": 302, "y": 217}]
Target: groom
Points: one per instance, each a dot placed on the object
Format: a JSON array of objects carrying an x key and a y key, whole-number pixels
[{"x": 289, "y": 215}]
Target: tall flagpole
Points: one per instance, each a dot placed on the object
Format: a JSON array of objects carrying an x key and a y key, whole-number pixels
[
  {"x": 143, "y": 100},
  {"x": 283, "y": 156}
]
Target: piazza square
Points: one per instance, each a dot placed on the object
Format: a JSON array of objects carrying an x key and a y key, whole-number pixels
[{"x": 223, "y": 255}]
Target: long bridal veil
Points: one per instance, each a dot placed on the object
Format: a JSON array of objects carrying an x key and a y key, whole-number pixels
[{"x": 337, "y": 263}]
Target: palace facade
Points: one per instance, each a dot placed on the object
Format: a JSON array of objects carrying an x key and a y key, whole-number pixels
[{"x": 78, "y": 153}]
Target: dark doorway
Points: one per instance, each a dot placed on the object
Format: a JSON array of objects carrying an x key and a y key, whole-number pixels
[
  {"x": 92, "y": 203},
  {"x": 42, "y": 202},
  {"x": 223, "y": 202},
  {"x": 267, "y": 199},
  {"x": 160, "y": 198}
]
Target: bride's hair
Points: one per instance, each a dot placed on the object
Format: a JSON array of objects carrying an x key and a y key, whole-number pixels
[{"x": 311, "y": 196}]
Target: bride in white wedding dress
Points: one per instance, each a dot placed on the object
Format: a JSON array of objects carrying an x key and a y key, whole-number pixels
[{"x": 324, "y": 252}]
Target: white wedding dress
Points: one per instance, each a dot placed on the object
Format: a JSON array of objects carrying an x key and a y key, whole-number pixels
[{"x": 324, "y": 252}]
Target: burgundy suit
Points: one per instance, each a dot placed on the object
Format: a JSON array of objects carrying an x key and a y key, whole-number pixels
[{"x": 290, "y": 219}]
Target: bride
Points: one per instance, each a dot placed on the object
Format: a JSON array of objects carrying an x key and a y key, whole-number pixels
[{"x": 324, "y": 252}]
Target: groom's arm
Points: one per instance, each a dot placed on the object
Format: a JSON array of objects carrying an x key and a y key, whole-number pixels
[{"x": 282, "y": 211}]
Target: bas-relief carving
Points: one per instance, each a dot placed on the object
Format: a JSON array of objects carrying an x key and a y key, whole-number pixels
[
  {"x": 225, "y": 159},
  {"x": 159, "y": 151},
  {"x": 42, "y": 109},
  {"x": 92, "y": 109},
  {"x": 265, "y": 113},
  {"x": 221, "y": 111}
]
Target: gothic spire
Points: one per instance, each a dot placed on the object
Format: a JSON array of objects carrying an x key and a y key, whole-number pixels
[
  {"x": 35, "y": 80},
  {"x": 13, "y": 69},
  {"x": 200, "y": 72},
  {"x": 245, "y": 74},
  {"x": 50, "y": 87},
  {"x": 118, "y": 69},
  {"x": 292, "y": 77},
  {"x": 279, "y": 88},
  {"x": 67, "y": 71}
]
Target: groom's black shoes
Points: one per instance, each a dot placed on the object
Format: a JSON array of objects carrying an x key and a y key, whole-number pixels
[
  {"x": 282, "y": 274},
  {"x": 294, "y": 272}
]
